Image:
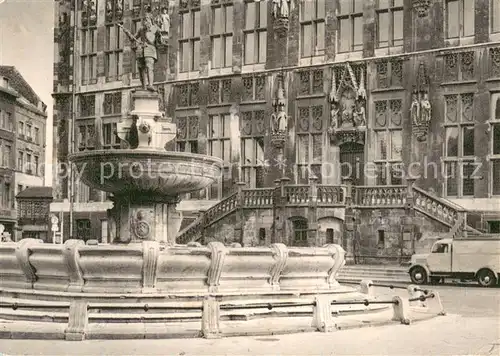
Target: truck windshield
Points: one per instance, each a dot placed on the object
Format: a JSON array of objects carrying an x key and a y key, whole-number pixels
[{"x": 440, "y": 248}]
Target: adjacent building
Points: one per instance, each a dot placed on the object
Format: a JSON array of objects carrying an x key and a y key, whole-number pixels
[
  {"x": 22, "y": 142},
  {"x": 33, "y": 214},
  {"x": 369, "y": 89}
]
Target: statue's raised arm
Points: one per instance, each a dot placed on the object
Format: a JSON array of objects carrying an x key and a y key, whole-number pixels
[{"x": 146, "y": 42}]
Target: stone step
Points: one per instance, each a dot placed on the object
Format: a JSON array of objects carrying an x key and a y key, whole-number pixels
[
  {"x": 188, "y": 329},
  {"x": 40, "y": 310}
]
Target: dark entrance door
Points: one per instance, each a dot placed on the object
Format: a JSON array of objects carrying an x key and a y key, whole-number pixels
[{"x": 352, "y": 162}]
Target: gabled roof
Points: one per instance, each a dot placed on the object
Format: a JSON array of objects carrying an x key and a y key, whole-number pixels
[
  {"x": 36, "y": 193},
  {"x": 19, "y": 84}
]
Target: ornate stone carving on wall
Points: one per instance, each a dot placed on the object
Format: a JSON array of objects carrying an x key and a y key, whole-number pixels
[
  {"x": 347, "y": 105},
  {"x": 420, "y": 109},
  {"x": 279, "y": 119},
  {"x": 495, "y": 62},
  {"x": 281, "y": 13},
  {"x": 422, "y": 7}
]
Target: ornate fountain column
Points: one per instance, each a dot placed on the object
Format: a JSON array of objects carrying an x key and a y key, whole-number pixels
[{"x": 145, "y": 179}]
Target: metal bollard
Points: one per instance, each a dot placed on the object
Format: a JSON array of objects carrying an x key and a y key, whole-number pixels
[
  {"x": 401, "y": 310},
  {"x": 210, "y": 319},
  {"x": 366, "y": 287},
  {"x": 77, "y": 321},
  {"x": 415, "y": 292},
  {"x": 322, "y": 314}
]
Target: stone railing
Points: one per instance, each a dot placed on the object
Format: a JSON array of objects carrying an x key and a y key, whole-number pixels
[
  {"x": 380, "y": 196},
  {"x": 258, "y": 198},
  {"x": 212, "y": 215},
  {"x": 149, "y": 267},
  {"x": 331, "y": 195},
  {"x": 221, "y": 209},
  {"x": 457, "y": 229},
  {"x": 437, "y": 208},
  {"x": 191, "y": 231},
  {"x": 265, "y": 198},
  {"x": 297, "y": 194}
]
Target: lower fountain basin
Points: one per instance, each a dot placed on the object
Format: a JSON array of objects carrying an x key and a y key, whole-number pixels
[
  {"x": 151, "y": 267},
  {"x": 129, "y": 171}
]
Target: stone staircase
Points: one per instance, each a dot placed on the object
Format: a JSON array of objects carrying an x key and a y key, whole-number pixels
[{"x": 436, "y": 208}]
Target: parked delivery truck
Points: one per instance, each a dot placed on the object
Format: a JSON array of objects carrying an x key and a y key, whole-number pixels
[{"x": 465, "y": 259}]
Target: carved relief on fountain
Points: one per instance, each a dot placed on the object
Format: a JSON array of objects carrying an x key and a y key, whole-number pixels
[
  {"x": 347, "y": 105},
  {"x": 420, "y": 109}
]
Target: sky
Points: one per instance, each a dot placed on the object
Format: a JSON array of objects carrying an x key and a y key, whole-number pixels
[{"x": 26, "y": 42}]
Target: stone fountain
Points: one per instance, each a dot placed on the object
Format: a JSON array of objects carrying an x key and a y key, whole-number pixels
[
  {"x": 144, "y": 178},
  {"x": 143, "y": 285}
]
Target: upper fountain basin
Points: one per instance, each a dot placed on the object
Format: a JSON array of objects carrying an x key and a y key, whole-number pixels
[{"x": 146, "y": 171}]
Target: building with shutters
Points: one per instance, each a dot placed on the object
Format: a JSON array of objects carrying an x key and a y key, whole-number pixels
[
  {"x": 370, "y": 88},
  {"x": 22, "y": 143}
]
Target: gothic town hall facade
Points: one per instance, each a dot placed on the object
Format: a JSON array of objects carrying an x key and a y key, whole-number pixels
[{"x": 391, "y": 130}]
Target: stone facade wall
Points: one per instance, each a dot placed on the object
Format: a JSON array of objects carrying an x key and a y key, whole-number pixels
[
  {"x": 420, "y": 34},
  {"x": 207, "y": 91},
  {"x": 368, "y": 223}
]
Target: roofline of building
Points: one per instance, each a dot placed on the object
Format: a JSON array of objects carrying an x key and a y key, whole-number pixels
[
  {"x": 31, "y": 107},
  {"x": 9, "y": 91},
  {"x": 26, "y": 83}
]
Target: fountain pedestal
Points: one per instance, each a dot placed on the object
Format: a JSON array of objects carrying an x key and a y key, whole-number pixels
[
  {"x": 146, "y": 128},
  {"x": 145, "y": 217}
]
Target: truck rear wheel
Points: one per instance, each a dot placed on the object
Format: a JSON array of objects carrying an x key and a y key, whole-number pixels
[
  {"x": 486, "y": 278},
  {"x": 418, "y": 275}
]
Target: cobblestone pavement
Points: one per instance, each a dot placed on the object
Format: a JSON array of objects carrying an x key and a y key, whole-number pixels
[{"x": 472, "y": 327}]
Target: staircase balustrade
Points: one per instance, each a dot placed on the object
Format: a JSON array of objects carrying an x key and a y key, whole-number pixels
[
  {"x": 297, "y": 194},
  {"x": 224, "y": 207},
  {"x": 380, "y": 196},
  {"x": 259, "y": 197},
  {"x": 437, "y": 208},
  {"x": 393, "y": 196},
  {"x": 331, "y": 195},
  {"x": 457, "y": 228}
]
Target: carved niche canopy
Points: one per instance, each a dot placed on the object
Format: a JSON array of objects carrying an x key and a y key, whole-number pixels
[
  {"x": 347, "y": 105},
  {"x": 422, "y": 7},
  {"x": 420, "y": 109}
]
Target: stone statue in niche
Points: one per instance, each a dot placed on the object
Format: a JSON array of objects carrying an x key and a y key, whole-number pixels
[
  {"x": 281, "y": 9},
  {"x": 279, "y": 119},
  {"x": 164, "y": 24},
  {"x": 348, "y": 109},
  {"x": 425, "y": 107},
  {"x": 415, "y": 109},
  {"x": 421, "y": 110},
  {"x": 334, "y": 115},
  {"x": 359, "y": 113},
  {"x": 347, "y": 105}
]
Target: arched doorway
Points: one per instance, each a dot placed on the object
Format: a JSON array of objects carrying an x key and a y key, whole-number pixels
[{"x": 352, "y": 162}]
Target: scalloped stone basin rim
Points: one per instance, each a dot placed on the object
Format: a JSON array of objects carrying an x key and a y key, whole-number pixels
[{"x": 160, "y": 172}]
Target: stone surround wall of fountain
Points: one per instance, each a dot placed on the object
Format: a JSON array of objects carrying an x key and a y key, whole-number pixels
[{"x": 150, "y": 267}]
